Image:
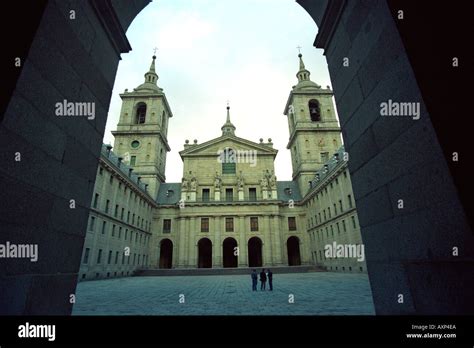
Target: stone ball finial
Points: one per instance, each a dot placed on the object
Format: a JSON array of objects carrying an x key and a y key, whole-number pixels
[
  {"x": 186, "y": 141},
  {"x": 269, "y": 140},
  {"x": 195, "y": 141},
  {"x": 261, "y": 140}
]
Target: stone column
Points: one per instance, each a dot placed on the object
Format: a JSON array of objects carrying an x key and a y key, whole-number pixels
[
  {"x": 217, "y": 243},
  {"x": 182, "y": 241},
  {"x": 191, "y": 244},
  {"x": 277, "y": 249},
  {"x": 242, "y": 240},
  {"x": 267, "y": 240}
]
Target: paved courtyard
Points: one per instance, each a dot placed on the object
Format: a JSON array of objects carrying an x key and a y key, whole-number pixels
[{"x": 318, "y": 293}]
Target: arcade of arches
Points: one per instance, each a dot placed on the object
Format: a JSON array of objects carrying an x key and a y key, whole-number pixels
[{"x": 205, "y": 250}]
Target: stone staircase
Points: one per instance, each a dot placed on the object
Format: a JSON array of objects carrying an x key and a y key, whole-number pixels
[{"x": 157, "y": 272}]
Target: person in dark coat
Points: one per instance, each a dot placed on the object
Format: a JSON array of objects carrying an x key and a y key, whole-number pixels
[
  {"x": 270, "y": 279},
  {"x": 263, "y": 279},
  {"x": 254, "y": 280}
]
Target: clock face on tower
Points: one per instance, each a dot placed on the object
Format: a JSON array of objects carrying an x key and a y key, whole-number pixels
[{"x": 135, "y": 144}]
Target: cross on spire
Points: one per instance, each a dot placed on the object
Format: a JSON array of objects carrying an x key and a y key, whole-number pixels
[
  {"x": 299, "y": 49},
  {"x": 154, "y": 51}
]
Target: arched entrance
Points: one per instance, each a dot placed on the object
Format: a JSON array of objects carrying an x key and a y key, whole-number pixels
[
  {"x": 166, "y": 253},
  {"x": 204, "y": 253},
  {"x": 293, "y": 249},
  {"x": 255, "y": 252},
  {"x": 230, "y": 258}
]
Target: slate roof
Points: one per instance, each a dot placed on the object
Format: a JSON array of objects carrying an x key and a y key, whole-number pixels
[
  {"x": 287, "y": 190},
  {"x": 169, "y": 193}
]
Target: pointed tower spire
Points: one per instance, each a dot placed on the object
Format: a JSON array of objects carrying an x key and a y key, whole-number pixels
[
  {"x": 150, "y": 75},
  {"x": 228, "y": 128},
  {"x": 303, "y": 75},
  {"x": 151, "y": 78}
]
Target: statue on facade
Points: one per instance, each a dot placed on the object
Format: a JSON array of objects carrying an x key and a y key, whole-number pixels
[
  {"x": 193, "y": 182},
  {"x": 217, "y": 181},
  {"x": 264, "y": 181},
  {"x": 240, "y": 181},
  {"x": 184, "y": 184},
  {"x": 272, "y": 180}
]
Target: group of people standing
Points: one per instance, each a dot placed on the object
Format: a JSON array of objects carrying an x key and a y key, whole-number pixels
[{"x": 264, "y": 276}]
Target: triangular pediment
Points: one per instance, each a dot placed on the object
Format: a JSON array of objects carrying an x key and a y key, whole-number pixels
[{"x": 212, "y": 147}]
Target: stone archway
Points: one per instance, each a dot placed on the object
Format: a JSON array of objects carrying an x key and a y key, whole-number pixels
[
  {"x": 229, "y": 259},
  {"x": 373, "y": 145},
  {"x": 293, "y": 250},
  {"x": 166, "y": 253},
  {"x": 205, "y": 253},
  {"x": 255, "y": 252}
]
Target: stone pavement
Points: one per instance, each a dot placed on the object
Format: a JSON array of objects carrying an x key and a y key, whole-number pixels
[{"x": 319, "y": 293}]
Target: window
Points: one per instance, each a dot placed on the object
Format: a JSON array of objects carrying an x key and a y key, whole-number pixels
[
  {"x": 338, "y": 228},
  {"x": 324, "y": 157},
  {"x": 121, "y": 214},
  {"x": 111, "y": 180},
  {"x": 113, "y": 230},
  {"x": 135, "y": 144},
  {"x": 345, "y": 174},
  {"x": 103, "y": 227},
  {"x": 204, "y": 224},
  {"x": 126, "y": 233},
  {"x": 341, "y": 208},
  {"x": 107, "y": 203},
  {"x": 344, "y": 225},
  {"x": 335, "y": 209},
  {"x": 99, "y": 256},
  {"x": 254, "y": 224},
  {"x": 116, "y": 257},
  {"x": 349, "y": 200},
  {"x": 205, "y": 195},
  {"x": 110, "y": 257},
  {"x": 92, "y": 224},
  {"x": 354, "y": 221},
  {"x": 229, "y": 195},
  {"x": 292, "y": 223},
  {"x": 116, "y": 210},
  {"x": 128, "y": 216},
  {"x": 166, "y": 225},
  {"x": 252, "y": 194},
  {"x": 86, "y": 256},
  {"x": 96, "y": 200},
  {"x": 133, "y": 160},
  {"x": 314, "y": 110},
  {"x": 329, "y": 212},
  {"x": 227, "y": 158},
  {"x": 141, "y": 113},
  {"x": 101, "y": 170},
  {"x": 229, "y": 224}
]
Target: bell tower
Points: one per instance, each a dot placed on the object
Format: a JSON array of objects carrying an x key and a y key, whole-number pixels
[
  {"x": 314, "y": 130},
  {"x": 141, "y": 135}
]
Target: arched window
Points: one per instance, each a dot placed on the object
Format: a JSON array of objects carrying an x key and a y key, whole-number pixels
[
  {"x": 141, "y": 113},
  {"x": 314, "y": 110},
  {"x": 228, "y": 161}
]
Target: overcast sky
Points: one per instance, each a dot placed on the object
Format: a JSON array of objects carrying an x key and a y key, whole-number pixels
[{"x": 211, "y": 51}]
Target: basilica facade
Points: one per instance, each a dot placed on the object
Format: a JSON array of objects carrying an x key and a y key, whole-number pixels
[{"x": 229, "y": 210}]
